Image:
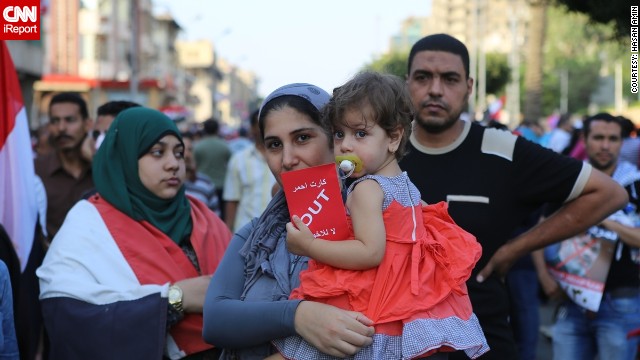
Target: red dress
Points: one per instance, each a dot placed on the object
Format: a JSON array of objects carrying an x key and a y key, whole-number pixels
[{"x": 417, "y": 296}]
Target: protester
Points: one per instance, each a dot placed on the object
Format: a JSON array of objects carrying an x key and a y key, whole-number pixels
[
  {"x": 630, "y": 150},
  {"x": 492, "y": 180},
  {"x": 126, "y": 275},
  {"x": 8, "y": 340},
  {"x": 248, "y": 183},
  {"x": 42, "y": 141},
  {"x": 196, "y": 183},
  {"x": 582, "y": 334},
  {"x": 106, "y": 113},
  {"x": 212, "y": 156},
  {"x": 65, "y": 173},
  {"x": 577, "y": 149},
  {"x": 522, "y": 278},
  {"x": 404, "y": 273},
  {"x": 241, "y": 141},
  {"x": 530, "y": 130},
  {"x": 560, "y": 136},
  {"x": 247, "y": 304}
]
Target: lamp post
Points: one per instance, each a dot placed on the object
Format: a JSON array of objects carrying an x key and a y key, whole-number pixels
[
  {"x": 564, "y": 91},
  {"x": 133, "y": 52},
  {"x": 513, "y": 89}
]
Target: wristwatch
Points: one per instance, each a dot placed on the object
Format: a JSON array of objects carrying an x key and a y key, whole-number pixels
[{"x": 175, "y": 298}]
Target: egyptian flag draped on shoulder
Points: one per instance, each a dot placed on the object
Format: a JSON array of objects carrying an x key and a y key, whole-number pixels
[
  {"x": 18, "y": 212},
  {"x": 105, "y": 278}
]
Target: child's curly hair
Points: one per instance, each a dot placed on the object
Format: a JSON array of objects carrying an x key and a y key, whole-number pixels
[{"x": 385, "y": 94}]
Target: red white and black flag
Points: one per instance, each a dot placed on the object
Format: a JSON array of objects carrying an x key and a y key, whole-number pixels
[{"x": 18, "y": 207}]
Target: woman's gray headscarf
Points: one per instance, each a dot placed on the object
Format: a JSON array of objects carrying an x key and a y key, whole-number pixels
[{"x": 270, "y": 228}]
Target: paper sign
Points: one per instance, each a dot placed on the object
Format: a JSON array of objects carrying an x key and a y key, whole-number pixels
[
  {"x": 581, "y": 265},
  {"x": 314, "y": 195}
]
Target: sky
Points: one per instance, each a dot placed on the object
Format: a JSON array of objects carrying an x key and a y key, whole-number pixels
[{"x": 323, "y": 42}]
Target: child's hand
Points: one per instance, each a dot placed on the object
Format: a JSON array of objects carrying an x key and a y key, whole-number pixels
[{"x": 299, "y": 237}]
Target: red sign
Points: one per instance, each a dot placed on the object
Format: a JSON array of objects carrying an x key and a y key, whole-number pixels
[
  {"x": 20, "y": 20},
  {"x": 314, "y": 195}
]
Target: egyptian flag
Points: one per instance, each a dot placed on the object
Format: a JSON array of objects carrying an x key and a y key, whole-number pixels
[{"x": 18, "y": 208}]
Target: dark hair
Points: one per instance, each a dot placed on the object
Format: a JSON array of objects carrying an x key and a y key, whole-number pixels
[
  {"x": 385, "y": 94},
  {"x": 440, "y": 42},
  {"x": 253, "y": 118},
  {"x": 211, "y": 126},
  {"x": 628, "y": 127},
  {"x": 70, "y": 97},
  {"x": 564, "y": 119},
  {"x": 606, "y": 117},
  {"x": 187, "y": 135},
  {"x": 298, "y": 103},
  {"x": 114, "y": 108}
]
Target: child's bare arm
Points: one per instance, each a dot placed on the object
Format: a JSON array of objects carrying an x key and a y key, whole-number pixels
[
  {"x": 364, "y": 252},
  {"x": 275, "y": 356}
]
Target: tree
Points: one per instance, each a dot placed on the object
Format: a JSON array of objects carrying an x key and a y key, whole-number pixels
[
  {"x": 536, "y": 33},
  {"x": 390, "y": 63},
  {"x": 582, "y": 54},
  {"x": 498, "y": 73},
  {"x": 604, "y": 11}
]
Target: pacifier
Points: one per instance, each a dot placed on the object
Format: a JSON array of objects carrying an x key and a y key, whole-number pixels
[{"x": 349, "y": 164}]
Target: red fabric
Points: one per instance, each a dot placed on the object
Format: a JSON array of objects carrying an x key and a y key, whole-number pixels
[
  {"x": 19, "y": 211},
  {"x": 421, "y": 279},
  {"x": 156, "y": 259},
  {"x": 10, "y": 94}
]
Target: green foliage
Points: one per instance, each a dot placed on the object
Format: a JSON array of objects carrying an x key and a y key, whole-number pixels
[
  {"x": 498, "y": 73},
  {"x": 391, "y": 63},
  {"x": 582, "y": 79},
  {"x": 613, "y": 12},
  {"x": 583, "y": 48}
]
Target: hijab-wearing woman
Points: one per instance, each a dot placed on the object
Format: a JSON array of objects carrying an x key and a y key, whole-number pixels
[
  {"x": 247, "y": 304},
  {"x": 125, "y": 276}
]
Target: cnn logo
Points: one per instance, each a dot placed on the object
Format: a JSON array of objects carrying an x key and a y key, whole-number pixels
[
  {"x": 20, "y": 20},
  {"x": 14, "y": 14}
]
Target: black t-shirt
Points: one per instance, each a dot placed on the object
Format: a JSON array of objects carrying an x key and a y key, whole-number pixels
[
  {"x": 492, "y": 181},
  {"x": 624, "y": 272}
]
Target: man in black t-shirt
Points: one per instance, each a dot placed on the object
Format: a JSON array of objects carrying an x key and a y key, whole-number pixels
[{"x": 492, "y": 181}]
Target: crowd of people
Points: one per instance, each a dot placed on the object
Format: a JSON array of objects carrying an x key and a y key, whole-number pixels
[{"x": 156, "y": 243}]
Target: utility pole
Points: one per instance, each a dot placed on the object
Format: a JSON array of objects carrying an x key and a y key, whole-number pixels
[
  {"x": 564, "y": 91},
  {"x": 482, "y": 61},
  {"x": 133, "y": 52},
  {"x": 473, "y": 59},
  {"x": 618, "y": 84},
  {"x": 513, "y": 89}
]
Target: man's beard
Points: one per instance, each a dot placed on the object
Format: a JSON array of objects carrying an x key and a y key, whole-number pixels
[
  {"x": 438, "y": 128},
  {"x": 76, "y": 148},
  {"x": 603, "y": 167}
]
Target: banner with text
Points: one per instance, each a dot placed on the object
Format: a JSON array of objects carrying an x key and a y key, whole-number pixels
[{"x": 314, "y": 194}]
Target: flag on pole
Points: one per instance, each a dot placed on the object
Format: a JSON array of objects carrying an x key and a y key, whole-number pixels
[{"x": 18, "y": 207}]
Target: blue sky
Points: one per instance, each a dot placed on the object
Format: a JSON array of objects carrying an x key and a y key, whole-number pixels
[{"x": 323, "y": 42}]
